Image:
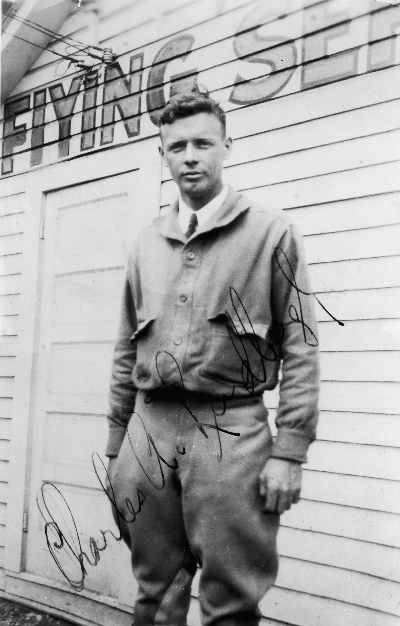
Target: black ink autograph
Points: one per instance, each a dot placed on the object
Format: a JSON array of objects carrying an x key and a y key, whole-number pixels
[
  {"x": 68, "y": 540},
  {"x": 248, "y": 338}
]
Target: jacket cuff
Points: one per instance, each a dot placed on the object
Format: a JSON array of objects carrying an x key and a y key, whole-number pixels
[
  {"x": 291, "y": 444},
  {"x": 116, "y": 435}
]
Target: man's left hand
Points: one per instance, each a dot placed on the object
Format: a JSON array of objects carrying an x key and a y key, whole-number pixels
[{"x": 280, "y": 484}]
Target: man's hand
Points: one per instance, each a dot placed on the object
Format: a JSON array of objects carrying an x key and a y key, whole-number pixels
[{"x": 280, "y": 484}]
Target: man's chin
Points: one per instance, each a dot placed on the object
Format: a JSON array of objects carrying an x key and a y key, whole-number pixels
[{"x": 194, "y": 189}]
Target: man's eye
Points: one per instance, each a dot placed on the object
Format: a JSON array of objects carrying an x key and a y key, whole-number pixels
[{"x": 176, "y": 148}]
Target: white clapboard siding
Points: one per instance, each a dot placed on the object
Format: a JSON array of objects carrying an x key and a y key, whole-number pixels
[
  {"x": 298, "y": 608},
  {"x": 348, "y": 214},
  {"x": 359, "y": 491},
  {"x": 361, "y": 366},
  {"x": 357, "y": 153},
  {"x": 339, "y": 584},
  {"x": 356, "y": 274},
  {"x": 369, "y": 428},
  {"x": 327, "y": 187},
  {"x": 360, "y": 556},
  {"x": 329, "y": 157},
  {"x": 361, "y": 396},
  {"x": 12, "y": 220},
  {"x": 355, "y": 459},
  {"x": 362, "y": 304},
  {"x": 220, "y": 70},
  {"x": 377, "y": 429},
  {"x": 332, "y": 519}
]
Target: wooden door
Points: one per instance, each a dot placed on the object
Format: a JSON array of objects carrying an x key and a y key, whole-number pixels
[{"x": 86, "y": 235}]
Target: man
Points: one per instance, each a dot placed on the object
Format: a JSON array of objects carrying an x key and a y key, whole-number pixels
[{"x": 216, "y": 299}]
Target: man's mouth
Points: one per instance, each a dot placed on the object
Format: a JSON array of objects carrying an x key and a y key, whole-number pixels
[{"x": 192, "y": 175}]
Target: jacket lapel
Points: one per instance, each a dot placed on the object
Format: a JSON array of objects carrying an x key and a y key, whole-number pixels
[{"x": 234, "y": 205}]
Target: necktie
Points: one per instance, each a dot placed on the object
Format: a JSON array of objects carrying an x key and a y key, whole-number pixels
[{"x": 193, "y": 222}]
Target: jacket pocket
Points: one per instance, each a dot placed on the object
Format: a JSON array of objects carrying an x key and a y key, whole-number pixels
[
  {"x": 144, "y": 340},
  {"x": 142, "y": 326},
  {"x": 239, "y": 353}
]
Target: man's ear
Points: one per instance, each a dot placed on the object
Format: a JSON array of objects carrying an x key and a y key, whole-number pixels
[{"x": 228, "y": 146}]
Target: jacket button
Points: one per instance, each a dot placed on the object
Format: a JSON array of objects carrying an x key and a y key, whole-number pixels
[
  {"x": 178, "y": 341},
  {"x": 183, "y": 297},
  {"x": 190, "y": 255}
]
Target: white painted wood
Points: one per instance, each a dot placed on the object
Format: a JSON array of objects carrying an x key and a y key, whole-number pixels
[
  {"x": 11, "y": 244},
  {"x": 355, "y": 244},
  {"x": 363, "y": 274},
  {"x": 342, "y": 215},
  {"x": 360, "y": 366},
  {"x": 5, "y": 431},
  {"x": 331, "y": 187},
  {"x": 9, "y": 304},
  {"x": 10, "y": 284},
  {"x": 352, "y": 396},
  {"x": 23, "y": 350},
  {"x": 80, "y": 312},
  {"x": 318, "y": 161},
  {"x": 83, "y": 608},
  {"x": 339, "y": 584},
  {"x": 369, "y": 428},
  {"x": 305, "y": 609},
  {"x": 360, "y": 304},
  {"x": 11, "y": 224},
  {"x": 360, "y": 524},
  {"x": 360, "y": 335},
  {"x": 108, "y": 211},
  {"x": 10, "y": 264},
  {"x": 363, "y": 492},
  {"x": 367, "y": 558}
]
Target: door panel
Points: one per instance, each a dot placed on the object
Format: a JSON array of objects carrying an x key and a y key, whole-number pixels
[{"x": 87, "y": 233}]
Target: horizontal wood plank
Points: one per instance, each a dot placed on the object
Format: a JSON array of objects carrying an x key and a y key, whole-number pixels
[
  {"x": 356, "y": 460},
  {"x": 355, "y": 274},
  {"x": 303, "y": 609},
  {"x": 342, "y": 521},
  {"x": 358, "y": 556},
  {"x": 339, "y": 584},
  {"x": 349, "y": 490}
]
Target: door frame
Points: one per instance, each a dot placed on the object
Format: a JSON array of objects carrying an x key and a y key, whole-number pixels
[{"x": 36, "y": 185}]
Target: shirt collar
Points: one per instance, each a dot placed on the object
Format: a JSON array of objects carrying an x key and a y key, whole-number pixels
[
  {"x": 203, "y": 214},
  {"x": 234, "y": 205}
]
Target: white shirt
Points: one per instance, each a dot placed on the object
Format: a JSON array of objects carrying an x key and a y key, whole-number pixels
[{"x": 204, "y": 213}]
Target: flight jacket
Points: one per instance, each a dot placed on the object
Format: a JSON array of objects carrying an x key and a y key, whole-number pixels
[{"x": 225, "y": 313}]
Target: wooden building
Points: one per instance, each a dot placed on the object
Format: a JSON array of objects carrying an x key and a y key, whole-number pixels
[{"x": 311, "y": 89}]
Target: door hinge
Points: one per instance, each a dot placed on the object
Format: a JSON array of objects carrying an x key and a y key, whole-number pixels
[{"x": 25, "y": 522}]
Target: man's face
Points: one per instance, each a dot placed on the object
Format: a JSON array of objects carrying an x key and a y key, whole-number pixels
[{"x": 194, "y": 149}]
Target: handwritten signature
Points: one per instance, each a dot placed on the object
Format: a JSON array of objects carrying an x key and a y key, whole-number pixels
[{"x": 68, "y": 541}]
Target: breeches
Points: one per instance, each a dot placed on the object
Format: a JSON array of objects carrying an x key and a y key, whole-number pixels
[{"x": 186, "y": 486}]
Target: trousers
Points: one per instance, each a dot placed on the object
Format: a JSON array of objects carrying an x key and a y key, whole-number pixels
[{"x": 186, "y": 485}]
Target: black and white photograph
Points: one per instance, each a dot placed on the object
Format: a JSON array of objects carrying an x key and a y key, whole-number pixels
[{"x": 200, "y": 313}]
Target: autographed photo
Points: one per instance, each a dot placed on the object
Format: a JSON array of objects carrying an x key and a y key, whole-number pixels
[{"x": 200, "y": 312}]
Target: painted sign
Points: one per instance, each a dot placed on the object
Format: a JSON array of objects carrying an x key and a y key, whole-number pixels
[{"x": 92, "y": 111}]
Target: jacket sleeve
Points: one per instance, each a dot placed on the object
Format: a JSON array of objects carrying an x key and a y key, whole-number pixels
[
  {"x": 122, "y": 392},
  {"x": 295, "y": 325}
]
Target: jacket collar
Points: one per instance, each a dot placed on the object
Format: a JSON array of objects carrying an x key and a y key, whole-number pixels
[{"x": 234, "y": 205}]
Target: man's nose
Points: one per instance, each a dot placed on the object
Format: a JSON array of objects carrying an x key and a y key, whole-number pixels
[{"x": 190, "y": 153}]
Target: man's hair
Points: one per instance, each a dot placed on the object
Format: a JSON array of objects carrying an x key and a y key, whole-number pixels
[{"x": 189, "y": 103}]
